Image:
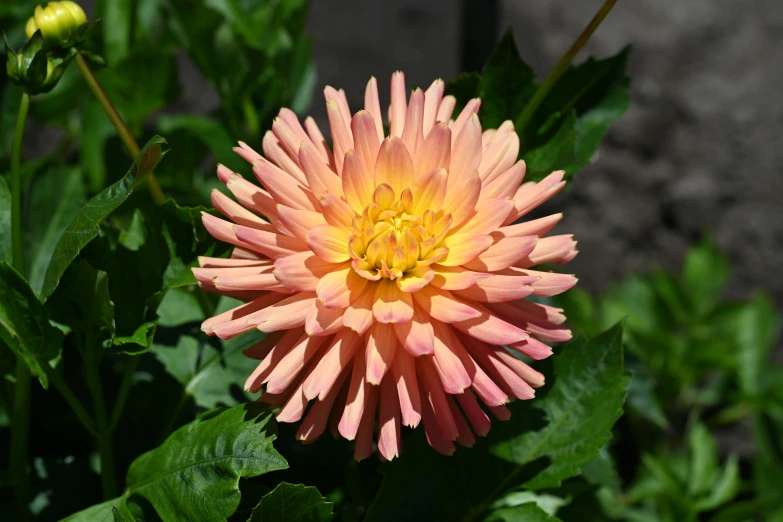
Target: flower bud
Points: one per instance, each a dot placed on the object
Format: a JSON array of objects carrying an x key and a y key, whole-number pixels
[{"x": 56, "y": 21}]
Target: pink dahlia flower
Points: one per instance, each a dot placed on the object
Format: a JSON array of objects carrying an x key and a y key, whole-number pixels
[{"x": 387, "y": 270}]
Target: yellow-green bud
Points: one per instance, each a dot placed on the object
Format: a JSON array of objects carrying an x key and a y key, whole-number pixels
[{"x": 56, "y": 21}]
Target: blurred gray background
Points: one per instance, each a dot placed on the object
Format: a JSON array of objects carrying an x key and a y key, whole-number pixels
[{"x": 700, "y": 149}]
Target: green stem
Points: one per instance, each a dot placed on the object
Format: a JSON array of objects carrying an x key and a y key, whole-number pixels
[
  {"x": 122, "y": 130},
  {"x": 122, "y": 395},
  {"x": 561, "y": 67},
  {"x": 20, "y": 435},
  {"x": 16, "y": 185},
  {"x": 76, "y": 406},
  {"x": 20, "y": 416},
  {"x": 108, "y": 472}
]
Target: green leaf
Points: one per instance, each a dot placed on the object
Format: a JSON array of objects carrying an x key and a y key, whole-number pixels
[
  {"x": 209, "y": 374},
  {"x": 119, "y": 516},
  {"x": 547, "y": 440},
  {"x": 507, "y": 84},
  {"x": 24, "y": 326},
  {"x": 581, "y": 408},
  {"x": 6, "y": 249},
  {"x": 703, "y": 460},
  {"x": 524, "y": 513},
  {"x": 292, "y": 503},
  {"x": 726, "y": 487},
  {"x": 553, "y": 152},
  {"x": 86, "y": 224},
  {"x": 55, "y": 198},
  {"x": 758, "y": 328},
  {"x": 194, "y": 474},
  {"x": 82, "y": 300},
  {"x": 704, "y": 274},
  {"x": 118, "y": 17}
]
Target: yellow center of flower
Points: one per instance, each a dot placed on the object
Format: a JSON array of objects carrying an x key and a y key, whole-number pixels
[{"x": 393, "y": 236}]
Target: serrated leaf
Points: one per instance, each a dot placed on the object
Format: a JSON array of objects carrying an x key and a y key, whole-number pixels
[
  {"x": 581, "y": 408},
  {"x": 292, "y": 503},
  {"x": 206, "y": 373},
  {"x": 24, "y": 326},
  {"x": 507, "y": 84},
  {"x": 86, "y": 224},
  {"x": 194, "y": 474},
  {"x": 547, "y": 440}
]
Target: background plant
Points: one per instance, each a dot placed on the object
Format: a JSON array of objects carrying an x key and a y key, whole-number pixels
[{"x": 106, "y": 314}]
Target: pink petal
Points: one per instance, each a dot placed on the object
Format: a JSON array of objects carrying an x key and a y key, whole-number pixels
[
  {"x": 363, "y": 447},
  {"x": 434, "y": 398},
  {"x": 446, "y": 108},
  {"x": 553, "y": 249},
  {"x": 389, "y": 442},
  {"x": 534, "y": 349},
  {"x": 299, "y": 222},
  {"x": 294, "y": 361},
  {"x": 261, "y": 349},
  {"x": 277, "y": 154},
  {"x": 373, "y": 105},
  {"x": 358, "y": 315},
  {"x": 398, "y": 105},
  {"x": 289, "y": 339},
  {"x": 466, "y": 152},
  {"x": 283, "y": 315},
  {"x": 479, "y": 420},
  {"x": 432, "y": 98},
  {"x": 403, "y": 372},
  {"x": 302, "y": 271},
  {"x": 531, "y": 376},
  {"x": 471, "y": 108},
  {"x": 319, "y": 141},
  {"x": 487, "y": 217},
  {"x": 357, "y": 182},
  {"x": 530, "y": 195},
  {"x": 416, "y": 335},
  {"x": 499, "y": 289},
  {"x": 219, "y": 262},
  {"x": 208, "y": 326},
  {"x": 506, "y": 184},
  {"x": 284, "y": 189},
  {"x": 441, "y": 305},
  {"x": 354, "y": 405},
  {"x": 434, "y": 152},
  {"x": 272, "y": 245},
  {"x": 461, "y": 198},
  {"x": 466, "y": 437},
  {"x": 336, "y": 211},
  {"x": 499, "y": 157},
  {"x": 429, "y": 191},
  {"x": 320, "y": 177},
  {"x": 316, "y": 419},
  {"x": 237, "y": 213},
  {"x": 413, "y": 135},
  {"x": 452, "y": 373},
  {"x": 381, "y": 347},
  {"x": 490, "y": 329},
  {"x": 537, "y": 227},
  {"x": 336, "y": 358}
]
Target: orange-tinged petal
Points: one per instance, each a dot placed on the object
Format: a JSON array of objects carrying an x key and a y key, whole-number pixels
[
  {"x": 286, "y": 314},
  {"x": 391, "y": 305},
  {"x": 389, "y": 442},
  {"x": 358, "y": 183},
  {"x": 314, "y": 423},
  {"x": 320, "y": 177},
  {"x": 504, "y": 253},
  {"x": 429, "y": 190},
  {"x": 487, "y": 217},
  {"x": 464, "y": 248},
  {"x": 394, "y": 165},
  {"x": 434, "y": 398},
  {"x": 441, "y": 305},
  {"x": 416, "y": 279},
  {"x": 363, "y": 448},
  {"x": 357, "y": 393},
  {"x": 365, "y": 140},
  {"x": 478, "y": 419},
  {"x": 336, "y": 211},
  {"x": 302, "y": 271},
  {"x": 340, "y": 288},
  {"x": 537, "y": 227},
  {"x": 452, "y": 373},
  {"x": 461, "y": 199},
  {"x": 358, "y": 315},
  {"x": 499, "y": 289},
  {"x": 456, "y": 277},
  {"x": 321, "y": 320},
  {"x": 506, "y": 184},
  {"x": 299, "y": 222},
  {"x": 295, "y": 360},
  {"x": 329, "y": 243},
  {"x": 288, "y": 340}
]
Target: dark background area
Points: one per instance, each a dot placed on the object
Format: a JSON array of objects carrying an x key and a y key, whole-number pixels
[{"x": 700, "y": 148}]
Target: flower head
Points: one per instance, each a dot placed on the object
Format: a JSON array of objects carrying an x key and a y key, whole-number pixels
[
  {"x": 56, "y": 21},
  {"x": 387, "y": 270}
]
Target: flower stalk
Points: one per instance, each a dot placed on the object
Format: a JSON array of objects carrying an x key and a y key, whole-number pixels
[
  {"x": 122, "y": 130},
  {"x": 561, "y": 66},
  {"x": 20, "y": 419}
]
